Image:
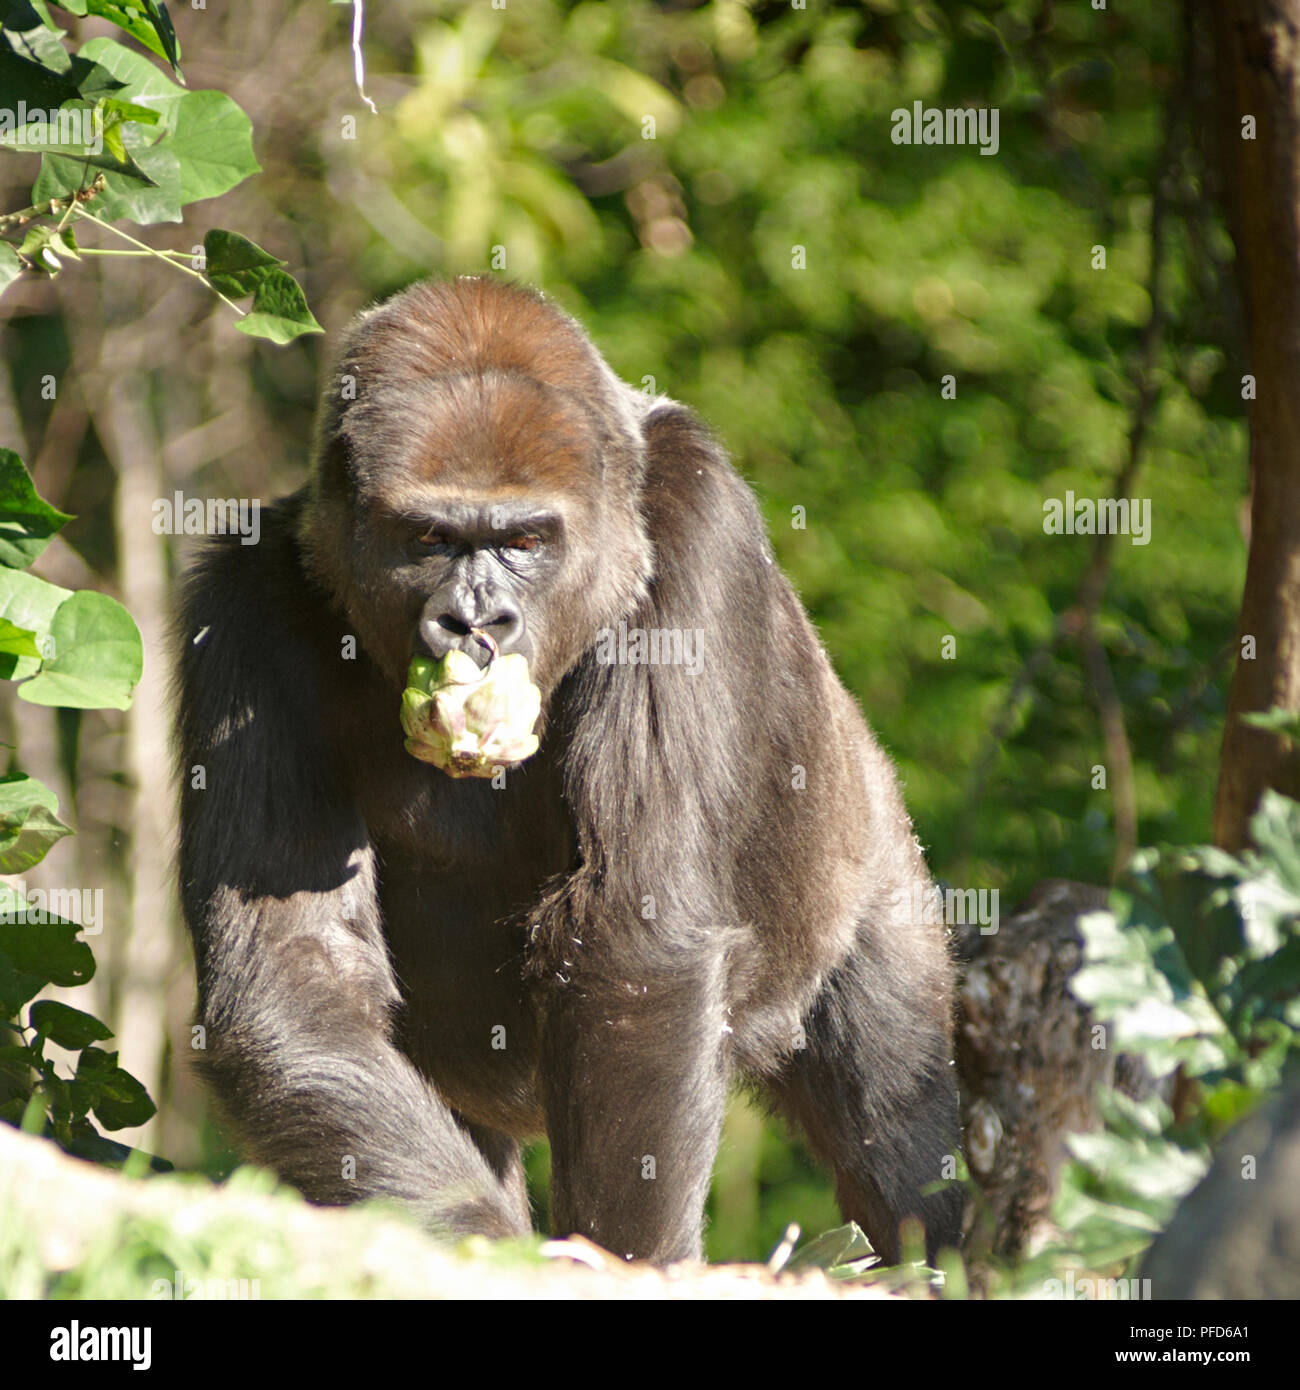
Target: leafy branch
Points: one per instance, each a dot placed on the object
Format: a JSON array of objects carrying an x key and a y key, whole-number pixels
[
  {"x": 119, "y": 141},
  {"x": 78, "y": 651}
]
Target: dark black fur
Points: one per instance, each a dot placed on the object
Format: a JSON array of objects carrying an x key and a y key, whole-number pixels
[{"x": 362, "y": 922}]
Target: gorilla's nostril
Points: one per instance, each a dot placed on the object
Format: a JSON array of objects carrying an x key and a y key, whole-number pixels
[{"x": 461, "y": 630}]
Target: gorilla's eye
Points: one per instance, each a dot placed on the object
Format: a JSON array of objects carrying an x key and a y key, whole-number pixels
[
  {"x": 521, "y": 542},
  {"x": 433, "y": 538}
]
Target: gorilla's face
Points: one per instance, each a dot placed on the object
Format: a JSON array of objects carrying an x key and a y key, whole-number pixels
[
  {"x": 489, "y": 515},
  {"x": 487, "y": 567},
  {"x": 480, "y": 468},
  {"x": 479, "y": 525}
]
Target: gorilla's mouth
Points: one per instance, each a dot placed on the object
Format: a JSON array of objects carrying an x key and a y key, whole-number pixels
[
  {"x": 483, "y": 649},
  {"x": 485, "y": 643}
]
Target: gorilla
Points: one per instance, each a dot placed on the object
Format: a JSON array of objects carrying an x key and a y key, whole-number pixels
[{"x": 705, "y": 874}]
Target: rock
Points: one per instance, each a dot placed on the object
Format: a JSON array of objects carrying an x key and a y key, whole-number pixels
[{"x": 1234, "y": 1235}]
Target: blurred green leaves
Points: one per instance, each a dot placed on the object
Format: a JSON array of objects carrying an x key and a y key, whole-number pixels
[{"x": 1197, "y": 970}]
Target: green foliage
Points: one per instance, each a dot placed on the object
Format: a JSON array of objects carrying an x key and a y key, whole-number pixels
[
  {"x": 191, "y": 145},
  {"x": 92, "y": 656},
  {"x": 1278, "y": 721},
  {"x": 845, "y": 1254},
  {"x": 145, "y": 20},
  {"x": 248, "y": 1241},
  {"x": 129, "y": 145},
  {"x": 840, "y": 1252},
  {"x": 29, "y": 823},
  {"x": 1197, "y": 967},
  {"x": 30, "y": 959},
  {"x": 79, "y": 650},
  {"x": 235, "y": 267},
  {"x": 76, "y": 650},
  {"x": 27, "y": 521}
]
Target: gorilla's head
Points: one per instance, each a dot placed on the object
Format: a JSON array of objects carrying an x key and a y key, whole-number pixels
[{"x": 478, "y": 467}]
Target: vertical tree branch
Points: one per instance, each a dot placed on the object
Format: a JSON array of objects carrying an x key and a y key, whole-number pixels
[{"x": 1257, "y": 47}]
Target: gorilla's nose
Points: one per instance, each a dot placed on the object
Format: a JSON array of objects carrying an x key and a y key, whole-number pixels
[{"x": 454, "y": 630}]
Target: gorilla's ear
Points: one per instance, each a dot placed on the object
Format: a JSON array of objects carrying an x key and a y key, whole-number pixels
[{"x": 330, "y": 473}]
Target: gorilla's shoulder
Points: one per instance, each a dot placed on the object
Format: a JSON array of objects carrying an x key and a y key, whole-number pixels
[
  {"x": 262, "y": 588},
  {"x": 270, "y": 557},
  {"x": 690, "y": 482}
]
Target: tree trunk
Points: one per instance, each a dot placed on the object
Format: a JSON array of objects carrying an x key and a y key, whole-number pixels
[{"x": 1257, "y": 48}]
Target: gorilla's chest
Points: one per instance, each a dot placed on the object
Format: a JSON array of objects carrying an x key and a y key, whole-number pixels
[
  {"x": 459, "y": 868},
  {"x": 482, "y": 837},
  {"x": 459, "y": 859}
]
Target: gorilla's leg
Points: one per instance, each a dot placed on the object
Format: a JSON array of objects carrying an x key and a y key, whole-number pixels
[
  {"x": 875, "y": 1095},
  {"x": 296, "y": 1007},
  {"x": 634, "y": 1084}
]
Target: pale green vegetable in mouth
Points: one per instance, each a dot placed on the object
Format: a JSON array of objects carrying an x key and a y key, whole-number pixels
[{"x": 468, "y": 721}]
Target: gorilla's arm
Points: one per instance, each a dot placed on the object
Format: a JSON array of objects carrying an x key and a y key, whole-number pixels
[
  {"x": 639, "y": 948},
  {"x": 278, "y": 887},
  {"x": 683, "y": 795}
]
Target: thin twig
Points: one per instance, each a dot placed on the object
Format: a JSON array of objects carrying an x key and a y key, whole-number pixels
[
  {"x": 149, "y": 250},
  {"x": 1119, "y": 755}
]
